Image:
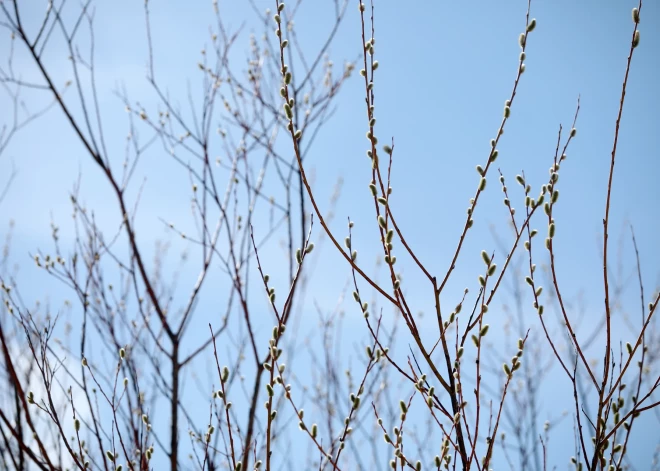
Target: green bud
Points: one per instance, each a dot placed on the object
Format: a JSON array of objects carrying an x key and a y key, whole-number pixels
[{"x": 531, "y": 25}]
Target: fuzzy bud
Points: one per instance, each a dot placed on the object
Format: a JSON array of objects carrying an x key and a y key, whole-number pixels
[{"x": 531, "y": 25}]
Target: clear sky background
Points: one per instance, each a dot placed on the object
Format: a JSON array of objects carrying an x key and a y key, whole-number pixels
[{"x": 446, "y": 69}]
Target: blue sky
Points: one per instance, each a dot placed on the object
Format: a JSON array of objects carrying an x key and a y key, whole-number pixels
[{"x": 445, "y": 71}]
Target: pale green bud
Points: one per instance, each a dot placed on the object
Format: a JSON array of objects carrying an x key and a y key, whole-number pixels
[{"x": 531, "y": 25}]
